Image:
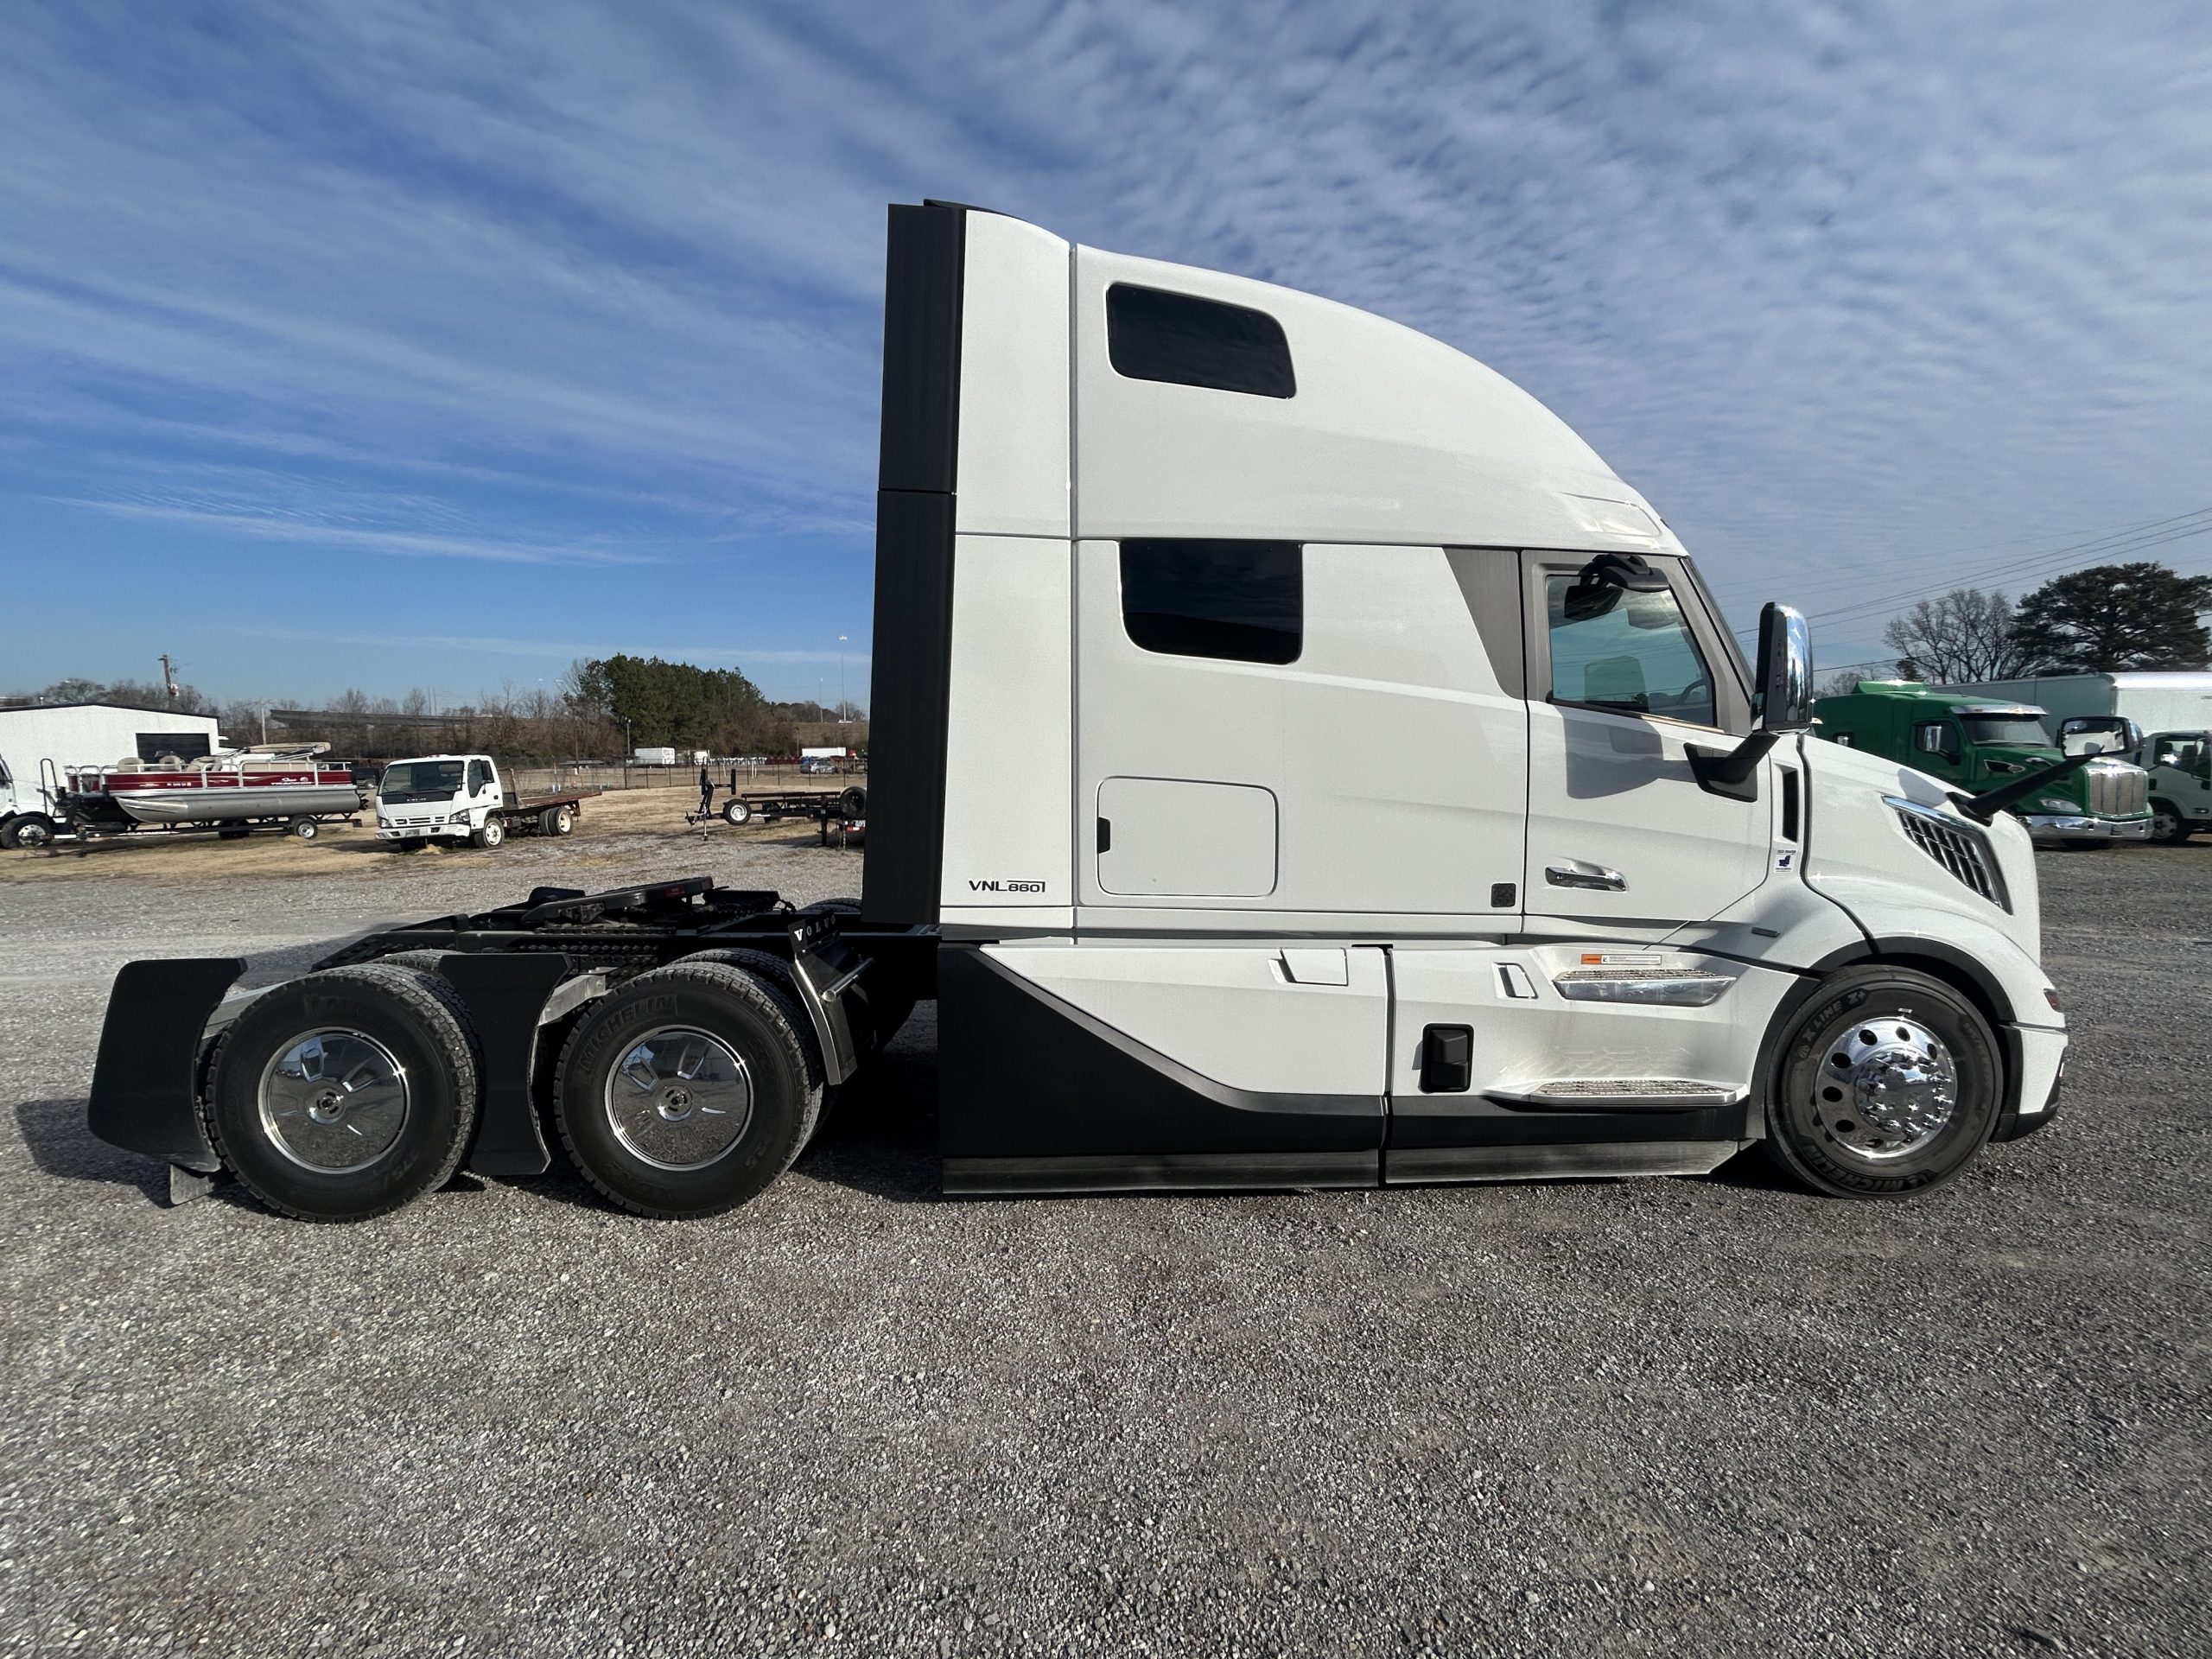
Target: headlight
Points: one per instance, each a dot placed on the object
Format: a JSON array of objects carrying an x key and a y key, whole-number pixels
[{"x": 2053, "y": 804}]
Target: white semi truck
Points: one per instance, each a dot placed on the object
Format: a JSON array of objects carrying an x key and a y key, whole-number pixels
[{"x": 1186, "y": 543}]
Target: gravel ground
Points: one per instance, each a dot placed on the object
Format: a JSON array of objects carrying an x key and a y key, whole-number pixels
[{"x": 1708, "y": 1416}]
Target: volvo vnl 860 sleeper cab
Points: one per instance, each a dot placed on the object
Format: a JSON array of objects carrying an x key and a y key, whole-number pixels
[{"x": 1188, "y": 543}]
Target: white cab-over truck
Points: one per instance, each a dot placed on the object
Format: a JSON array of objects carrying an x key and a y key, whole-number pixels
[
  {"x": 1187, "y": 542},
  {"x": 462, "y": 797}
]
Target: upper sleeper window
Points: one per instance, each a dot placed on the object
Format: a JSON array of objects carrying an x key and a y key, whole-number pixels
[
  {"x": 1241, "y": 602},
  {"x": 1151, "y": 334}
]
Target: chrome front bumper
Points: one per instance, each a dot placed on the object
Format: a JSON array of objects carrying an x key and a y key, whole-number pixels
[{"x": 2048, "y": 828}]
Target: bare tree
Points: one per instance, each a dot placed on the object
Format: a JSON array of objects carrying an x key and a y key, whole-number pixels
[
  {"x": 1965, "y": 635},
  {"x": 1842, "y": 682}
]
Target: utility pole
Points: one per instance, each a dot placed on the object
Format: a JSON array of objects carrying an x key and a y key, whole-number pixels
[
  {"x": 841, "y": 676},
  {"x": 168, "y": 682}
]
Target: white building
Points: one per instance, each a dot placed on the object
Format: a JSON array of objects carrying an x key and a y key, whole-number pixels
[{"x": 88, "y": 734}]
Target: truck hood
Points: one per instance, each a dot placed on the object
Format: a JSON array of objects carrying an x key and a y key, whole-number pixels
[{"x": 1884, "y": 842}]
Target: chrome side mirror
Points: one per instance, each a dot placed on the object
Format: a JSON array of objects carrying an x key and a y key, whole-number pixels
[{"x": 1785, "y": 670}]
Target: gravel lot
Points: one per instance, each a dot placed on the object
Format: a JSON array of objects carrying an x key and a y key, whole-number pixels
[{"x": 1708, "y": 1416}]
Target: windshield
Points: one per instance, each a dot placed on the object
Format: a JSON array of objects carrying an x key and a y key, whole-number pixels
[
  {"x": 2019, "y": 729},
  {"x": 420, "y": 780}
]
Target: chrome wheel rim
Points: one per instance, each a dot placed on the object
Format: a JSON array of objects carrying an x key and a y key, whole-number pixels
[
  {"x": 335, "y": 1101},
  {"x": 1887, "y": 1087},
  {"x": 679, "y": 1098}
]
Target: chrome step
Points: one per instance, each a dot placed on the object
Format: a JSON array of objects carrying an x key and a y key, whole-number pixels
[{"x": 1629, "y": 1094}]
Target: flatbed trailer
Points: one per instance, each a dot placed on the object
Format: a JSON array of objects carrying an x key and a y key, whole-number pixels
[
  {"x": 824, "y": 807},
  {"x": 1183, "y": 542}
]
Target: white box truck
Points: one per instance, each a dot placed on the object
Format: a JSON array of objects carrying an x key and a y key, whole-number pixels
[
  {"x": 2076, "y": 704},
  {"x": 1184, "y": 542},
  {"x": 661, "y": 755}
]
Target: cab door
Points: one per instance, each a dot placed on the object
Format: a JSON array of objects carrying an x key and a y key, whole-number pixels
[
  {"x": 1621, "y": 834},
  {"x": 1939, "y": 750}
]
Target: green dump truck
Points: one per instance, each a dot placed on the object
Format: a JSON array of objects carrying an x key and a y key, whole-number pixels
[{"x": 1981, "y": 745}]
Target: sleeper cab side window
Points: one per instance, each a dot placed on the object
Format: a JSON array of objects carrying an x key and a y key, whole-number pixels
[
  {"x": 1633, "y": 652},
  {"x": 1154, "y": 334},
  {"x": 1236, "y": 601}
]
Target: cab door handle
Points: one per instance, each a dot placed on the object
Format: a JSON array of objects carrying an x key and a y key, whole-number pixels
[{"x": 1579, "y": 873}]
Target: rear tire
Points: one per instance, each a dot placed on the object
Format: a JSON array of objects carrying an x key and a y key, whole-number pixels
[
  {"x": 347, "y": 1094},
  {"x": 853, "y": 803},
  {"x": 1886, "y": 1084},
  {"x": 688, "y": 1090},
  {"x": 491, "y": 835},
  {"x": 232, "y": 832},
  {"x": 557, "y": 821}
]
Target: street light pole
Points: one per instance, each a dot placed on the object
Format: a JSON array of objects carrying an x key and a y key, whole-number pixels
[{"x": 841, "y": 676}]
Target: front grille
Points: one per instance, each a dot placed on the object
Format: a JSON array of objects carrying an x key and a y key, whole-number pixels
[
  {"x": 1957, "y": 848},
  {"x": 2117, "y": 791}
]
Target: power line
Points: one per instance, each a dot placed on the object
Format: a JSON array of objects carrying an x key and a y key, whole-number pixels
[
  {"x": 2085, "y": 553},
  {"x": 1983, "y": 572},
  {"x": 2096, "y": 550}
]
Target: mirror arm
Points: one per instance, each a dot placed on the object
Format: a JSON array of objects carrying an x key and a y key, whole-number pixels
[
  {"x": 1984, "y": 807},
  {"x": 1726, "y": 772}
]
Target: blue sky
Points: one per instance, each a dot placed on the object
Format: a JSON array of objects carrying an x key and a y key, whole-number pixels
[{"x": 393, "y": 345}]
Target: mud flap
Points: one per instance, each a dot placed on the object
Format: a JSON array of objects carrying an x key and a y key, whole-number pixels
[
  {"x": 146, "y": 1077},
  {"x": 506, "y": 994}
]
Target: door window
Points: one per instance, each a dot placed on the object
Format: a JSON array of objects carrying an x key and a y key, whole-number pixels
[
  {"x": 480, "y": 776},
  {"x": 1637, "y": 656},
  {"x": 1936, "y": 737}
]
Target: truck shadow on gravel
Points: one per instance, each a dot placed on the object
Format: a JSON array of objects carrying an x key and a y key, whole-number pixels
[{"x": 54, "y": 1133}]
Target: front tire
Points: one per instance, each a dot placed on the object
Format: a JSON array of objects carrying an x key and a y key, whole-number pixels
[
  {"x": 688, "y": 1090},
  {"x": 33, "y": 830},
  {"x": 2168, "y": 826},
  {"x": 347, "y": 1094},
  {"x": 491, "y": 835},
  {"x": 1887, "y": 1083}
]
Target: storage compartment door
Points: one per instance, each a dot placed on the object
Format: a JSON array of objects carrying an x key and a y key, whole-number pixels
[{"x": 1161, "y": 836}]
